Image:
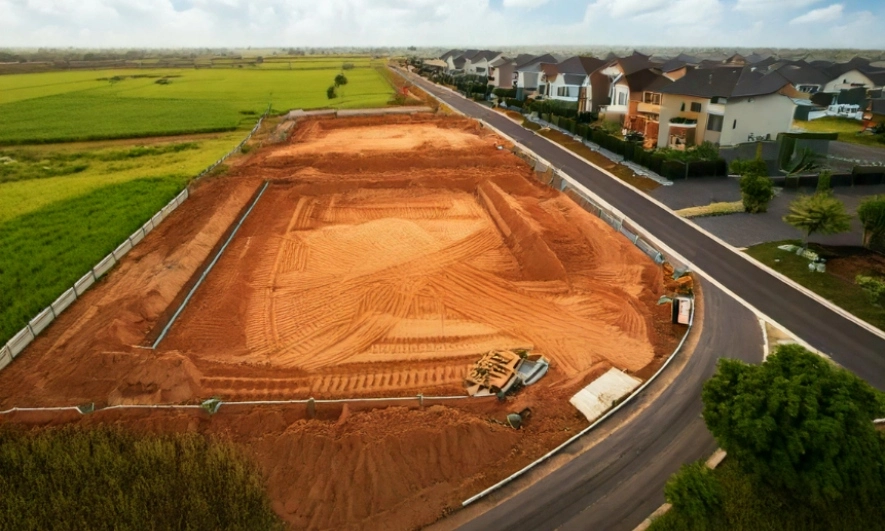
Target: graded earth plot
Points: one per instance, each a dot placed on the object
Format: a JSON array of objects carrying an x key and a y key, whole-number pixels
[
  {"x": 368, "y": 269},
  {"x": 386, "y": 256}
]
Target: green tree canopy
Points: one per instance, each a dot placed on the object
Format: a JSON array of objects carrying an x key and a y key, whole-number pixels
[
  {"x": 872, "y": 214},
  {"x": 799, "y": 424},
  {"x": 818, "y": 214},
  {"x": 330, "y": 93},
  {"x": 340, "y": 80}
]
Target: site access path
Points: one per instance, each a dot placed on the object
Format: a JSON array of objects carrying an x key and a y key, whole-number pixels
[{"x": 848, "y": 343}]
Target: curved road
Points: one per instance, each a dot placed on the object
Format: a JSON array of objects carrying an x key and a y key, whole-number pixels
[
  {"x": 849, "y": 344},
  {"x": 619, "y": 482}
]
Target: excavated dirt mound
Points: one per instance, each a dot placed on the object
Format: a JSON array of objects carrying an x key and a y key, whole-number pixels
[{"x": 385, "y": 255}]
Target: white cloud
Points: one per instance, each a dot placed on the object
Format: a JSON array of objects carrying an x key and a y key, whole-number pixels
[
  {"x": 759, "y": 6},
  {"x": 525, "y": 4},
  {"x": 824, "y": 14}
]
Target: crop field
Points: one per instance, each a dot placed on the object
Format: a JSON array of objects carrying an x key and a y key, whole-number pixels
[
  {"x": 71, "y": 106},
  {"x": 85, "y": 156},
  {"x": 62, "y": 208}
]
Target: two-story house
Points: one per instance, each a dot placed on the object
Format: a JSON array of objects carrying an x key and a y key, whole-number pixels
[
  {"x": 725, "y": 106},
  {"x": 644, "y": 107},
  {"x": 572, "y": 81},
  {"x": 477, "y": 64},
  {"x": 528, "y": 75},
  {"x": 804, "y": 77},
  {"x": 609, "y": 97}
]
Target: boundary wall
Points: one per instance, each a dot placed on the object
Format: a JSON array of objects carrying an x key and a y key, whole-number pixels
[{"x": 20, "y": 341}]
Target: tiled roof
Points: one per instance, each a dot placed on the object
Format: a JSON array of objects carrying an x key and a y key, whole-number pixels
[
  {"x": 726, "y": 82},
  {"x": 803, "y": 74},
  {"x": 580, "y": 65},
  {"x": 647, "y": 80}
]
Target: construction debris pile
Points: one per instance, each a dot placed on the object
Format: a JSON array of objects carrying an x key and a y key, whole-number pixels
[{"x": 499, "y": 370}]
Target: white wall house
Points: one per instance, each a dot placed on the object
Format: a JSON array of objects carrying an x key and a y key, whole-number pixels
[
  {"x": 566, "y": 87},
  {"x": 746, "y": 119},
  {"x": 852, "y": 79}
]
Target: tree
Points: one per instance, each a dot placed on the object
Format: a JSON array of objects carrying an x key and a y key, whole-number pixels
[
  {"x": 872, "y": 215},
  {"x": 799, "y": 424},
  {"x": 694, "y": 491},
  {"x": 818, "y": 213},
  {"x": 340, "y": 80},
  {"x": 330, "y": 92},
  {"x": 756, "y": 192}
]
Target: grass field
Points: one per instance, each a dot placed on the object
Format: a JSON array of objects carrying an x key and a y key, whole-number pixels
[
  {"x": 110, "y": 479},
  {"x": 64, "y": 206},
  {"x": 91, "y": 105},
  {"x": 849, "y": 130},
  {"x": 844, "y": 294}
]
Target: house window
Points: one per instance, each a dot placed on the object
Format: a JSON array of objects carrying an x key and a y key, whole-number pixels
[
  {"x": 719, "y": 100},
  {"x": 563, "y": 91},
  {"x": 682, "y": 109},
  {"x": 734, "y": 125},
  {"x": 652, "y": 97},
  {"x": 622, "y": 98},
  {"x": 695, "y": 107},
  {"x": 714, "y": 122}
]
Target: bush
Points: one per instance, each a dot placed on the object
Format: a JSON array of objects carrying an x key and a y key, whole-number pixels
[
  {"x": 330, "y": 92},
  {"x": 874, "y": 288},
  {"x": 745, "y": 167},
  {"x": 823, "y": 182},
  {"x": 504, "y": 93},
  {"x": 756, "y": 192},
  {"x": 73, "y": 478},
  {"x": 694, "y": 491}
]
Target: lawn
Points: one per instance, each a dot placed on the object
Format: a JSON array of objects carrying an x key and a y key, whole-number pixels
[
  {"x": 839, "y": 291},
  {"x": 105, "y": 478},
  {"x": 849, "y": 130},
  {"x": 747, "y": 506},
  {"x": 72, "y": 106}
]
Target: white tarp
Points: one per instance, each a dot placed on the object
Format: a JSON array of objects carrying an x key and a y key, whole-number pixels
[{"x": 602, "y": 393}]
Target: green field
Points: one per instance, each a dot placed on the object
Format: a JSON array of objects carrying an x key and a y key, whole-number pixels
[
  {"x": 91, "y": 105},
  {"x": 64, "y": 206},
  {"x": 107, "y": 478},
  {"x": 849, "y": 130}
]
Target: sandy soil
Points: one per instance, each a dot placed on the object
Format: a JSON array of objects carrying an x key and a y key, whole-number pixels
[{"x": 362, "y": 271}]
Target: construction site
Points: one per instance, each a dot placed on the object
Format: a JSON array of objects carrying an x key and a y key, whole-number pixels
[{"x": 353, "y": 258}]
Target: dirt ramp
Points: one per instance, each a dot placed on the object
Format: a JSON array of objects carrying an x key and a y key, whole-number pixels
[{"x": 535, "y": 258}]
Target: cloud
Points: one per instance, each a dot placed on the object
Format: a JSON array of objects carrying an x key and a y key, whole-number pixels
[
  {"x": 824, "y": 14},
  {"x": 524, "y": 4},
  {"x": 761, "y": 6}
]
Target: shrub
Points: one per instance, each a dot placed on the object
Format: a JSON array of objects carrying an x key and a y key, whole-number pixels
[
  {"x": 756, "y": 192},
  {"x": 694, "y": 491},
  {"x": 823, "y": 182},
  {"x": 874, "y": 288},
  {"x": 330, "y": 92},
  {"x": 872, "y": 215},
  {"x": 745, "y": 167}
]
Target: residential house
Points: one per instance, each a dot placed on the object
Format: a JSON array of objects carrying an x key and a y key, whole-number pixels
[
  {"x": 528, "y": 75},
  {"x": 644, "y": 106},
  {"x": 856, "y": 77},
  {"x": 679, "y": 66},
  {"x": 569, "y": 80},
  {"x": 454, "y": 60},
  {"x": 478, "y": 64},
  {"x": 501, "y": 73},
  {"x": 608, "y": 95},
  {"x": 804, "y": 77},
  {"x": 726, "y": 106}
]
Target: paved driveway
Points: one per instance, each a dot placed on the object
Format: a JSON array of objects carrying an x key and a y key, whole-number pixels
[{"x": 844, "y": 150}]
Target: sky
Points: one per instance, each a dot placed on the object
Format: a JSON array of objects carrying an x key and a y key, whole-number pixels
[{"x": 455, "y": 23}]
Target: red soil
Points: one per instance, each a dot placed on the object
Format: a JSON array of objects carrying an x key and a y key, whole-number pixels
[{"x": 364, "y": 270}]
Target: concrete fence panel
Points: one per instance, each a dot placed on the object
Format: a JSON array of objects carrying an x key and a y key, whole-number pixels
[
  {"x": 84, "y": 283},
  {"x": 61, "y": 304},
  {"x": 42, "y": 320},
  {"x": 122, "y": 249},
  {"x": 5, "y": 356},
  {"x": 104, "y": 266},
  {"x": 158, "y": 218},
  {"x": 136, "y": 237},
  {"x": 20, "y": 341},
  {"x": 147, "y": 227},
  {"x": 182, "y": 197}
]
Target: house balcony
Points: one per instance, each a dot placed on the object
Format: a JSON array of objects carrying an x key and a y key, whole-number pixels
[{"x": 648, "y": 108}]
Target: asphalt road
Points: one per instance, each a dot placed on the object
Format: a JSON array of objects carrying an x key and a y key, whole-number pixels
[
  {"x": 848, "y": 343},
  {"x": 619, "y": 482}
]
